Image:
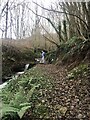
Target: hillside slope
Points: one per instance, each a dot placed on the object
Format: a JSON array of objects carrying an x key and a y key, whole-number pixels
[{"x": 60, "y": 96}]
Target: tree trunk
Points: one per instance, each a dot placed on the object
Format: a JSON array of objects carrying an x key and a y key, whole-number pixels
[
  {"x": 88, "y": 20},
  {"x": 6, "y": 20}
]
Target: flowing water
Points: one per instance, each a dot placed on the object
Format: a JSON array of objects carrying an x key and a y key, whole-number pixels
[{"x": 14, "y": 77}]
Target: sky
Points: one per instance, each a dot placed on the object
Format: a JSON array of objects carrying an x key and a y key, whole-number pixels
[{"x": 46, "y": 4}]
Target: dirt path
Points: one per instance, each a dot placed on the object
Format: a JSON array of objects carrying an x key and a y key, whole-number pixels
[{"x": 69, "y": 99}]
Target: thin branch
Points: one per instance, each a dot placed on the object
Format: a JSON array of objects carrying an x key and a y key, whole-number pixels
[
  {"x": 47, "y": 20},
  {"x": 46, "y": 31},
  {"x": 48, "y": 34},
  {"x": 35, "y": 13},
  {"x": 4, "y": 8},
  {"x": 51, "y": 41},
  {"x": 61, "y": 12},
  {"x": 1, "y": 29}
]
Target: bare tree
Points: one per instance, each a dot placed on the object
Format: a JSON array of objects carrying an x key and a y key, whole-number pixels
[{"x": 6, "y": 20}]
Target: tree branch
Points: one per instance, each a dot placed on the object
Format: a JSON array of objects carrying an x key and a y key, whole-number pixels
[
  {"x": 61, "y": 12},
  {"x": 4, "y": 8},
  {"x": 48, "y": 21},
  {"x": 51, "y": 41},
  {"x": 47, "y": 32}
]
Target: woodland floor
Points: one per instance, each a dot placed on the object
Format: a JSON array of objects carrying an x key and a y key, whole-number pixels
[
  {"x": 69, "y": 99},
  {"x": 56, "y": 98}
]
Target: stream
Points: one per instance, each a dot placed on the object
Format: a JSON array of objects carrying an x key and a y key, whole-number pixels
[
  {"x": 17, "y": 74},
  {"x": 14, "y": 76}
]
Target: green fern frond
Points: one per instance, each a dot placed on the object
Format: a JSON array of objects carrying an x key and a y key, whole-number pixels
[{"x": 23, "y": 110}]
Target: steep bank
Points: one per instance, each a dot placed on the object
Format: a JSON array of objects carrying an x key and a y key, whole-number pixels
[
  {"x": 14, "y": 60},
  {"x": 54, "y": 91},
  {"x": 50, "y": 93}
]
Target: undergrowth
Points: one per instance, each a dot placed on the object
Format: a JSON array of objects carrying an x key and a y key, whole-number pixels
[
  {"x": 78, "y": 72},
  {"x": 76, "y": 50},
  {"x": 26, "y": 92}
]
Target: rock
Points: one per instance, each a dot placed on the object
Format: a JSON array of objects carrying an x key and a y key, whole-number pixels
[
  {"x": 62, "y": 110},
  {"x": 79, "y": 116},
  {"x": 72, "y": 107}
]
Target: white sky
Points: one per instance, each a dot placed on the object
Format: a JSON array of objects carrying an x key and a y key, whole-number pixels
[{"x": 46, "y": 4}]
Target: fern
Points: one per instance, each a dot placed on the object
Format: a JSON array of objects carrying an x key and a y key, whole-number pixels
[
  {"x": 7, "y": 110},
  {"x": 10, "y": 115},
  {"x": 31, "y": 91},
  {"x": 25, "y": 104},
  {"x": 23, "y": 110}
]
